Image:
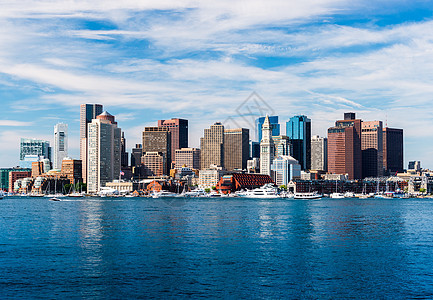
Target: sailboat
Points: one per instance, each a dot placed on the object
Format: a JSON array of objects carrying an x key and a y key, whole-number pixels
[{"x": 336, "y": 194}]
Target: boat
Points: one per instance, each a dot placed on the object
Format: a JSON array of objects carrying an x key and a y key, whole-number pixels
[
  {"x": 266, "y": 191},
  {"x": 195, "y": 193},
  {"x": 54, "y": 199},
  {"x": 308, "y": 196},
  {"x": 337, "y": 195},
  {"x": 76, "y": 195},
  {"x": 163, "y": 194},
  {"x": 349, "y": 195}
]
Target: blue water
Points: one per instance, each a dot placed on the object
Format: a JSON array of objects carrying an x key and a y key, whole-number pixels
[{"x": 226, "y": 248}]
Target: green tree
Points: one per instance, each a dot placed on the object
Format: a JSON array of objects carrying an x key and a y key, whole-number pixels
[{"x": 207, "y": 190}]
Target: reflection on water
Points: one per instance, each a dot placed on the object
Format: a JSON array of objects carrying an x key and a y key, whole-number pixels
[{"x": 237, "y": 248}]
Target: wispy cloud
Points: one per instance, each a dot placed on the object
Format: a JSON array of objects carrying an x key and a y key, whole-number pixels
[{"x": 12, "y": 123}]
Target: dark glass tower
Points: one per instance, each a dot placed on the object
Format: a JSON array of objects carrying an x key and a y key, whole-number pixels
[{"x": 298, "y": 129}]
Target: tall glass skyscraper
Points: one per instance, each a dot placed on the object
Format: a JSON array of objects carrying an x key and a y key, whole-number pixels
[
  {"x": 60, "y": 144},
  {"x": 275, "y": 126},
  {"x": 298, "y": 129}
]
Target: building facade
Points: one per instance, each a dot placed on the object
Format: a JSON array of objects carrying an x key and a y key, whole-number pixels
[
  {"x": 372, "y": 149},
  {"x": 344, "y": 147},
  {"x": 124, "y": 155},
  {"x": 284, "y": 169},
  {"x": 212, "y": 146},
  {"x": 319, "y": 153},
  {"x": 236, "y": 148},
  {"x": 267, "y": 148},
  {"x": 392, "y": 150},
  {"x": 33, "y": 148},
  {"x": 275, "y": 127},
  {"x": 283, "y": 146},
  {"x": 72, "y": 169},
  {"x": 60, "y": 144},
  {"x": 158, "y": 139},
  {"x": 298, "y": 129},
  {"x": 189, "y": 157},
  {"x": 88, "y": 112},
  {"x": 178, "y": 129},
  {"x": 4, "y": 176},
  {"x": 154, "y": 164},
  {"x": 209, "y": 178},
  {"x": 103, "y": 157}
]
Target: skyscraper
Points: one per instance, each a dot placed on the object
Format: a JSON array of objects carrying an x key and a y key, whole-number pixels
[
  {"x": 158, "y": 139},
  {"x": 189, "y": 157},
  {"x": 319, "y": 153},
  {"x": 267, "y": 148},
  {"x": 88, "y": 112},
  {"x": 392, "y": 150},
  {"x": 124, "y": 157},
  {"x": 178, "y": 129},
  {"x": 283, "y": 146},
  {"x": 298, "y": 129},
  {"x": 372, "y": 149},
  {"x": 60, "y": 144},
  {"x": 236, "y": 148},
  {"x": 136, "y": 155},
  {"x": 212, "y": 146},
  {"x": 344, "y": 147},
  {"x": 275, "y": 127},
  {"x": 103, "y": 152}
]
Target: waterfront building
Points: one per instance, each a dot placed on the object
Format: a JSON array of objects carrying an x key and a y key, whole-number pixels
[
  {"x": 253, "y": 165},
  {"x": 212, "y": 146},
  {"x": 267, "y": 148},
  {"x": 189, "y": 157},
  {"x": 37, "y": 168},
  {"x": 88, "y": 112},
  {"x": 392, "y": 150},
  {"x": 344, "y": 147},
  {"x": 209, "y": 178},
  {"x": 319, "y": 153},
  {"x": 123, "y": 187},
  {"x": 124, "y": 155},
  {"x": 372, "y": 148},
  {"x": 72, "y": 169},
  {"x": 60, "y": 144},
  {"x": 136, "y": 155},
  {"x": 236, "y": 148},
  {"x": 103, "y": 157},
  {"x": 154, "y": 163},
  {"x": 4, "y": 176},
  {"x": 33, "y": 149},
  {"x": 414, "y": 166},
  {"x": 283, "y": 146},
  {"x": 237, "y": 181},
  {"x": 16, "y": 175},
  {"x": 178, "y": 129},
  {"x": 298, "y": 129},
  {"x": 284, "y": 169},
  {"x": 275, "y": 127},
  {"x": 158, "y": 139}
]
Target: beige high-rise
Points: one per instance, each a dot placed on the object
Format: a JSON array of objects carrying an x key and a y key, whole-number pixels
[
  {"x": 372, "y": 148},
  {"x": 212, "y": 146},
  {"x": 236, "y": 148}
]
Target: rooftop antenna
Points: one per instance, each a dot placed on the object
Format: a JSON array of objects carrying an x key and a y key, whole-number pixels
[{"x": 386, "y": 120}]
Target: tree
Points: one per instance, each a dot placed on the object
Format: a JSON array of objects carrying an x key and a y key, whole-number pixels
[{"x": 207, "y": 190}]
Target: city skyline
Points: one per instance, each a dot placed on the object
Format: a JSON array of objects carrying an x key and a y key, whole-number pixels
[{"x": 313, "y": 59}]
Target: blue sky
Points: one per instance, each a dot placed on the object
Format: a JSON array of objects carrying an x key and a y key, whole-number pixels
[{"x": 150, "y": 60}]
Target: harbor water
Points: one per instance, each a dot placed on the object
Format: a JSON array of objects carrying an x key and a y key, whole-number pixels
[{"x": 216, "y": 247}]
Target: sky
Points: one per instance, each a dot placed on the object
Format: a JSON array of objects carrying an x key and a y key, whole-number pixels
[{"x": 215, "y": 61}]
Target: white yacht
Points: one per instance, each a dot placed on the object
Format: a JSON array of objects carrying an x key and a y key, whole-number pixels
[
  {"x": 337, "y": 196},
  {"x": 266, "y": 191},
  {"x": 307, "y": 196},
  {"x": 195, "y": 193},
  {"x": 163, "y": 194}
]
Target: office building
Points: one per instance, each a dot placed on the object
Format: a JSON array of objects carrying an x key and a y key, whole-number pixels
[
  {"x": 158, "y": 139},
  {"x": 178, "y": 129},
  {"x": 124, "y": 157},
  {"x": 209, "y": 177},
  {"x": 275, "y": 127},
  {"x": 372, "y": 148},
  {"x": 344, "y": 147},
  {"x": 136, "y": 155},
  {"x": 60, "y": 144},
  {"x": 267, "y": 148},
  {"x": 319, "y": 153},
  {"x": 33, "y": 149},
  {"x": 414, "y": 166},
  {"x": 17, "y": 175},
  {"x": 189, "y": 157},
  {"x": 254, "y": 149},
  {"x": 284, "y": 169},
  {"x": 236, "y": 148},
  {"x": 88, "y": 112},
  {"x": 4, "y": 176},
  {"x": 72, "y": 169},
  {"x": 298, "y": 129},
  {"x": 103, "y": 152},
  {"x": 154, "y": 164},
  {"x": 212, "y": 146},
  {"x": 392, "y": 150},
  {"x": 283, "y": 146}
]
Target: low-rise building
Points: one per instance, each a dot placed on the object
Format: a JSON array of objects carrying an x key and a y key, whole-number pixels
[
  {"x": 209, "y": 178},
  {"x": 237, "y": 181}
]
